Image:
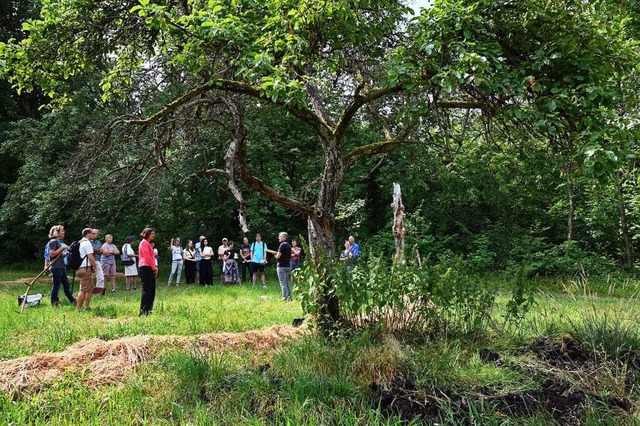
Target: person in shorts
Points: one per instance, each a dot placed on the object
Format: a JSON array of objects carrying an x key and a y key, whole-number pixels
[
  {"x": 85, "y": 271},
  {"x": 258, "y": 259},
  {"x": 109, "y": 253}
]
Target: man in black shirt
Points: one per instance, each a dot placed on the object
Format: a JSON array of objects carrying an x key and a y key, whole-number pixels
[{"x": 283, "y": 255}]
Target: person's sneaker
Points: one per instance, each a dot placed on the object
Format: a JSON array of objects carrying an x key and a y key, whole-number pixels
[
  {"x": 87, "y": 309},
  {"x": 264, "y": 286},
  {"x": 74, "y": 302},
  {"x": 55, "y": 304}
]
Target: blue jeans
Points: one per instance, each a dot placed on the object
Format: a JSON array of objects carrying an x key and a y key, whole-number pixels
[
  {"x": 176, "y": 268},
  {"x": 59, "y": 276},
  {"x": 283, "y": 277}
]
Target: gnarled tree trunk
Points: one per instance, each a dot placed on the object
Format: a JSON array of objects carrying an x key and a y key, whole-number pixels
[{"x": 321, "y": 227}]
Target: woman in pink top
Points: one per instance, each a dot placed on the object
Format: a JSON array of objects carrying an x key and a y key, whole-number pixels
[{"x": 148, "y": 270}]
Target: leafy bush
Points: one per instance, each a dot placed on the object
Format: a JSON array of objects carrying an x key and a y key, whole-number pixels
[
  {"x": 566, "y": 259},
  {"x": 405, "y": 299}
]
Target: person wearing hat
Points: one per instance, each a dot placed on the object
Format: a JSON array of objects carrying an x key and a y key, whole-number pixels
[{"x": 221, "y": 250}]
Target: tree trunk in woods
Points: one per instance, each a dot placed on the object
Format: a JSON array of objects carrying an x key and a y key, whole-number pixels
[
  {"x": 628, "y": 253},
  {"x": 570, "y": 196},
  {"x": 398, "y": 222},
  {"x": 321, "y": 228}
]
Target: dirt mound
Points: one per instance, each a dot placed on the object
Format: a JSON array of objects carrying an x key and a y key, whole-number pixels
[
  {"x": 108, "y": 362},
  {"x": 560, "y": 352},
  {"x": 570, "y": 381},
  {"x": 436, "y": 404}
]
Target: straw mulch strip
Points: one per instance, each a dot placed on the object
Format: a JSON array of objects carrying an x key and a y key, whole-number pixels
[
  {"x": 42, "y": 280},
  {"x": 108, "y": 362},
  {"x": 45, "y": 279}
]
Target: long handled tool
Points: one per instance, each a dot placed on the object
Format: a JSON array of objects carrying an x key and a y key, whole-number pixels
[{"x": 47, "y": 268}]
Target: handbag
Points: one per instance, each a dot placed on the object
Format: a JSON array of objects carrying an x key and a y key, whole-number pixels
[{"x": 126, "y": 260}]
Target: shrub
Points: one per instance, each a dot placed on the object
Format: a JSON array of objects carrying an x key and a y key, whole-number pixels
[{"x": 406, "y": 299}]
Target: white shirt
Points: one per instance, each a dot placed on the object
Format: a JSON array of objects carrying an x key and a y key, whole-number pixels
[
  {"x": 176, "y": 253},
  {"x": 207, "y": 252},
  {"x": 221, "y": 250},
  {"x": 85, "y": 249}
]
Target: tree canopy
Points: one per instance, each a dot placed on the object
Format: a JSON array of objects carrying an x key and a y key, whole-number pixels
[{"x": 304, "y": 102}]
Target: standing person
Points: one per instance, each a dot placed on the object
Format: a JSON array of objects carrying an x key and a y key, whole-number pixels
[
  {"x": 283, "y": 256},
  {"x": 189, "y": 257},
  {"x": 354, "y": 253},
  {"x": 97, "y": 255},
  {"x": 206, "y": 269},
  {"x": 258, "y": 260},
  {"x": 57, "y": 253},
  {"x": 245, "y": 255},
  {"x": 109, "y": 253},
  {"x": 86, "y": 270},
  {"x": 148, "y": 270},
  {"x": 345, "y": 253},
  {"x": 198, "y": 247},
  {"x": 296, "y": 252},
  {"x": 230, "y": 257},
  {"x": 176, "y": 261},
  {"x": 155, "y": 252},
  {"x": 223, "y": 247},
  {"x": 130, "y": 271}
]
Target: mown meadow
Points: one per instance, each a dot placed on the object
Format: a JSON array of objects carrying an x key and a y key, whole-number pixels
[{"x": 570, "y": 358}]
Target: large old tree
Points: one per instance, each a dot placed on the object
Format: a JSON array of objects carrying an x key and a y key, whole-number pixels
[{"x": 330, "y": 64}]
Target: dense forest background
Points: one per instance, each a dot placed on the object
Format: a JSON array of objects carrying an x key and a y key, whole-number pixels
[{"x": 500, "y": 191}]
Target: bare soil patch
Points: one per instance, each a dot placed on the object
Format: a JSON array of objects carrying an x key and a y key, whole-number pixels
[{"x": 569, "y": 384}]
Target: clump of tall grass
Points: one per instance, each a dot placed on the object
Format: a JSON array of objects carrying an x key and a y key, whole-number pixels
[{"x": 607, "y": 335}]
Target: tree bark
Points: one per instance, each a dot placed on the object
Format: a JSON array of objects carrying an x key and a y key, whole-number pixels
[
  {"x": 628, "y": 253},
  {"x": 570, "y": 196},
  {"x": 321, "y": 228},
  {"x": 398, "y": 222}
]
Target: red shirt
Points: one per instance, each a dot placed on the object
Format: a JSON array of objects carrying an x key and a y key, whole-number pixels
[{"x": 146, "y": 256}]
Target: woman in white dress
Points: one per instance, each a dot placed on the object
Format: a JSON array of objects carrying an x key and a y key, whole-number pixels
[{"x": 130, "y": 271}]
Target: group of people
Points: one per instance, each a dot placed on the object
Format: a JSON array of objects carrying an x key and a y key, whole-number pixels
[
  {"x": 197, "y": 261},
  {"x": 99, "y": 262}
]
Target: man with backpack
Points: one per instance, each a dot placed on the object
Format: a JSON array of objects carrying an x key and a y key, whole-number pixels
[
  {"x": 259, "y": 259},
  {"x": 85, "y": 270},
  {"x": 58, "y": 269}
]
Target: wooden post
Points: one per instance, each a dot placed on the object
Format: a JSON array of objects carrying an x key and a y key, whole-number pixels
[{"x": 398, "y": 222}]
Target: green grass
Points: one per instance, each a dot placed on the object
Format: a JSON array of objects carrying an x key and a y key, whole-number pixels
[
  {"x": 306, "y": 382},
  {"x": 185, "y": 310}
]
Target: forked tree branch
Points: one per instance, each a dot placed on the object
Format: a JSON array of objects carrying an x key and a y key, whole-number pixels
[{"x": 381, "y": 147}]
